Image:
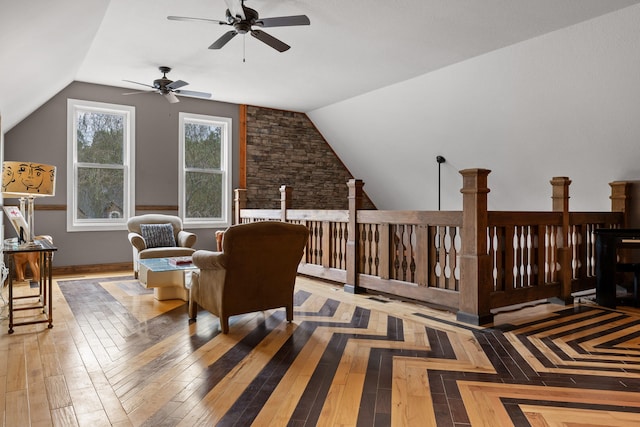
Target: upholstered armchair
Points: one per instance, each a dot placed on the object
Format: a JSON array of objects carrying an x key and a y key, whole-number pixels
[
  {"x": 255, "y": 271},
  {"x": 158, "y": 236}
]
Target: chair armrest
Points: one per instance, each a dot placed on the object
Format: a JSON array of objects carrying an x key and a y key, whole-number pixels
[
  {"x": 209, "y": 260},
  {"x": 186, "y": 239},
  {"x": 137, "y": 241}
]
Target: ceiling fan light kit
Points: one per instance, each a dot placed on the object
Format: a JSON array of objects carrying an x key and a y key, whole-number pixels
[{"x": 243, "y": 19}]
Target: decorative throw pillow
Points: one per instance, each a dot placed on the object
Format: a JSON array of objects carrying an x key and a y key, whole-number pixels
[{"x": 157, "y": 235}]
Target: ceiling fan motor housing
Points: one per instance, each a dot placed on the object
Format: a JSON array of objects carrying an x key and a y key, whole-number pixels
[
  {"x": 243, "y": 26},
  {"x": 161, "y": 84}
]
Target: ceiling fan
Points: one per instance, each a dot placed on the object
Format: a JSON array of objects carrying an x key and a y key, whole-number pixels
[
  {"x": 243, "y": 19},
  {"x": 168, "y": 88}
]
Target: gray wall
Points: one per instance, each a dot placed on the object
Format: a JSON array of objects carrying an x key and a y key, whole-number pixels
[{"x": 42, "y": 137}]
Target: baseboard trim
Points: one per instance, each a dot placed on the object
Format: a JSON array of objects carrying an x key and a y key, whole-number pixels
[{"x": 92, "y": 268}]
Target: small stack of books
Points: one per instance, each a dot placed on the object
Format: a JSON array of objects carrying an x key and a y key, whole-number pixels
[{"x": 180, "y": 260}]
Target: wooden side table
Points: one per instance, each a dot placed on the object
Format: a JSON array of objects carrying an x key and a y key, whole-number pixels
[{"x": 44, "y": 296}]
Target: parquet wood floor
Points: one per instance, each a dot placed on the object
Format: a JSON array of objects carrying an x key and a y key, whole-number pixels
[{"x": 116, "y": 356}]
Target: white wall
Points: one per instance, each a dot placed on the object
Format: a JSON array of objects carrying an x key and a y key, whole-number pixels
[{"x": 563, "y": 104}]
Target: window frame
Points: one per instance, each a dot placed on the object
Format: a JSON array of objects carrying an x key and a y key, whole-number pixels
[
  {"x": 128, "y": 166},
  {"x": 226, "y": 146}
]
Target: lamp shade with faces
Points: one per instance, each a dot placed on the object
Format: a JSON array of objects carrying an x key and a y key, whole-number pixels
[{"x": 28, "y": 179}]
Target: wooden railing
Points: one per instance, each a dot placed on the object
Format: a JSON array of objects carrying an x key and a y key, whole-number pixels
[
  {"x": 530, "y": 254},
  {"x": 472, "y": 261},
  {"x": 413, "y": 254}
]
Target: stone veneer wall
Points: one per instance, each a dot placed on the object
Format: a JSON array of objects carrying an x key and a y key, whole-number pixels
[{"x": 285, "y": 148}]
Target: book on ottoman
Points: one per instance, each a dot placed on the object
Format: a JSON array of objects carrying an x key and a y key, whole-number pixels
[{"x": 180, "y": 260}]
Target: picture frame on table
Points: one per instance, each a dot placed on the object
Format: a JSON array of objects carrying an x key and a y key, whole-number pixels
[{"x": 18, "y": 222}]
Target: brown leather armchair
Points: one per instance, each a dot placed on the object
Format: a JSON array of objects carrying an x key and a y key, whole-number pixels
[
  {"x": 180, "y": 242},
  {"x": 255, "y": 271}
]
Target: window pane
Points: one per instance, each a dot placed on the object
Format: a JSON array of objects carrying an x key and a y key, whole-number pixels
[
  {"x": 100, "y": 137},
  {"x": 100, "y": 193},
  {"x": 204, "y": 190},
  {"x": 204, "y": 195},
  {"x": 202, "y": 146}
]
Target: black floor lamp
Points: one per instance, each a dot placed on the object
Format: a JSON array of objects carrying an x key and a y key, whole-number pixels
[{"x": 440, "y": 161}]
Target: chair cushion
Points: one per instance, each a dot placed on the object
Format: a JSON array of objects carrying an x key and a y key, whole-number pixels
[{"x": 158, "y": 235}]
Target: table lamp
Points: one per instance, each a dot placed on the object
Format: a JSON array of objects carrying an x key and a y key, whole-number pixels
[{"x": 26, "y": 181}]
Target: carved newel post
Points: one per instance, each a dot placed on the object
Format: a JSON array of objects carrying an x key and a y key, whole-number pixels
[
  {"x": 621, "y": 199},
  {"x": 560, "y": 203},
  {"x": 475, "y": 263},
  {"x": 355, "y": 204},
  {"x": 285, "y": 201},
  {"x": 240, "y": 202}
]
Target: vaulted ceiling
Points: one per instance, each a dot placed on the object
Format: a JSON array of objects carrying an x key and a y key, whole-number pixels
[{"x": 350, "y": 48}]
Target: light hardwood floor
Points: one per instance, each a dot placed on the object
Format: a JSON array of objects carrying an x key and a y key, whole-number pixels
[{"x": 116, "y": 356}]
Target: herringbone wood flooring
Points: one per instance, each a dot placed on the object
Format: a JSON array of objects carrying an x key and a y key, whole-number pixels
[{"x": 118, "y": 357}]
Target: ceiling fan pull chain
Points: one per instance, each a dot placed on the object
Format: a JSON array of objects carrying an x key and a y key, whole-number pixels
[{"x": 244, "y": 48}]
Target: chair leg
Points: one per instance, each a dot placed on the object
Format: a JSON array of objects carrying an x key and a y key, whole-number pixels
[
  {"x": 193, "y": 309},
  {"x": 636, "y": 279},
  {"x": 224, "y": 324},
  {"x": 289, "y": 313}
]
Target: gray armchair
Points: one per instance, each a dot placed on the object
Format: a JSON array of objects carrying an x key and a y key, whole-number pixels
[
  {"x": 255, "y": 271},
  {"x": 158, "y": 236}
]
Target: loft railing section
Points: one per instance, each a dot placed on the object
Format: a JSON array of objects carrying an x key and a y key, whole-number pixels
[{"x": 473, "y": 261}]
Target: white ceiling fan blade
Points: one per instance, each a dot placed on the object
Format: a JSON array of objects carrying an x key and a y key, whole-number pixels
[
  {"x": 235, "y": 8},
  {"x": 171, "y": 97}
]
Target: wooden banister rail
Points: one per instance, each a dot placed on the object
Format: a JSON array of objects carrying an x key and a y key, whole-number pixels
[
  {"x": 413, "y": 254},
  {"x": 473, "y": 261},
  {"x": 525, "y": 258}
]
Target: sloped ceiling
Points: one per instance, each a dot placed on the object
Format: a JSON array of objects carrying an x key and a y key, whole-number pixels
[{"x": 352, "y": 47}]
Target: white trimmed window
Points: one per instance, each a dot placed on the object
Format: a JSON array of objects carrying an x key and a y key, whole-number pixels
[
  {"x": 204, "y": 198},
  {"x": 100, "y": 165}
]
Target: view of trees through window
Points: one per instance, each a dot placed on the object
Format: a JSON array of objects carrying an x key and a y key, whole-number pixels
[
  {"x": 100, "y": 169},
  {"x": 203, "y": 177}
]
